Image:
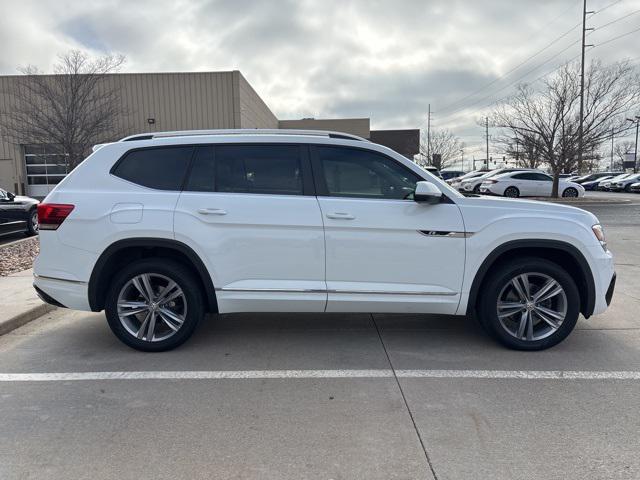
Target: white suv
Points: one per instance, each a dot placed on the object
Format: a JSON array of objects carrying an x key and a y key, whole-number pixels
[{"x": 160, "y": 229}]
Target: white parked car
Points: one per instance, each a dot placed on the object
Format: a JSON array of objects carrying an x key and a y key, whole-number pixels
[
  {"x": 624, "y": 184},
  {"x": 159, "y": 229},
  {"x": 454, "y": 182},
  {"x": 606, "y": 184},
  {"x": 472, "y": 185},
  {"x": 528, "y": 184}
]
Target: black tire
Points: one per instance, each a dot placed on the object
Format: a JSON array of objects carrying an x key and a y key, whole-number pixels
[
  {"x": 627, "y": 188},
  {"x": 476, "y": 189},
  {"x": 500, "y": 278},
  {"x": 511, "y": 192},
  {"x": 570, "y": 192},
  {"x": 182, "y": 276},
  {"x": 32, "y": 223}
]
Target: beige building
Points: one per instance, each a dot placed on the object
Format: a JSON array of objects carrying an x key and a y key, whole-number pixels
[{"x": 161, "y": 102}]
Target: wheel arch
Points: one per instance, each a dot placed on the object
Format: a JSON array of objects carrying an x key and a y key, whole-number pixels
[
  {"x": 124, "y": 251},
  {"x": 562, "y": 253}
]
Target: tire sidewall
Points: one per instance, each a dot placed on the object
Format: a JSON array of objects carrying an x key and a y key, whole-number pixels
[
  {"x": 30, "y": 227},
  {"x": 176, "y": 272},
  {"x": 570, "y": 189},
  {"x": 513, "y": 189},
  {"x": 492, "y": 288}
]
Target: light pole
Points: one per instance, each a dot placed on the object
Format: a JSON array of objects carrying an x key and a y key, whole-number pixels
[
  {"x": 635, "y": 120},
  {"x": 462, "y": 155}
]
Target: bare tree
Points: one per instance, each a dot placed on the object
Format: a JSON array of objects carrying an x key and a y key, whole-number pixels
[
  {"x": 445, "y": 147},
  {"x": 524, "y": 149},
  {"x": 72, "y": 110},
  {"x": 550, "y": 116}
]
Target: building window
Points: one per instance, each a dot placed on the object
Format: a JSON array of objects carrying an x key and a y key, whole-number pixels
[{"x": 46, "y": 166}]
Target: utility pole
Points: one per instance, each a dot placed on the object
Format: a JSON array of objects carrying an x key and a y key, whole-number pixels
[
  {"x": 581, "y": 125},
  {"x": 612, "y": 135},
  {"x": 486, "y": 128},
  {"x": 635, "y": 151},
  {"x": 462, "y": 154},
  {"x": 429, "y": 135}
]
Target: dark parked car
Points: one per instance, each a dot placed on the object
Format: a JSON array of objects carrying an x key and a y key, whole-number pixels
[
  {"x": 434, "y": 171},
  {"x": 595, "y": 176},
  {"x": 18, "y": 214}
]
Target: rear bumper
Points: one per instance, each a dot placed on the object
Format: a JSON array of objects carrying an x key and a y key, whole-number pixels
[{"x": 65, "y": 293}]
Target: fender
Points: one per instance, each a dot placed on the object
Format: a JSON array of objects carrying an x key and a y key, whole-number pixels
[
  {"x": 587, "y": 304},
  {"x": 94, "y": 288}
]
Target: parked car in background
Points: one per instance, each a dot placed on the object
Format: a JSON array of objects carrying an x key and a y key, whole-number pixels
[
  {"x": 566, "y": 176},
  {"x": 434, "y": 171},
  {"x": 528, "y": 184},
  {"x": 18, "y": 214},
  {"x": 472, "y": 185},
  {"x": 635, "y": 188},
  {"x": 605, "y": 185},
  {"x": 593, "y": 184},
  {"x": 449, "y": 174},
  {"x": 595, "y": 176},
  {"x": 624, "y": 184},
  {"x": 159, "y": 229},
  {"x": 455, "y": 181}
]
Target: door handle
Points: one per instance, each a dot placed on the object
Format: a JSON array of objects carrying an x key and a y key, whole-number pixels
[
  {"x": 212, "y": 211},
  {"x": 340, "y": 216}
]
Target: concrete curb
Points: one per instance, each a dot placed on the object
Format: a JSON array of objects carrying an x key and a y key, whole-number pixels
[{"x": 9, "y": 324}]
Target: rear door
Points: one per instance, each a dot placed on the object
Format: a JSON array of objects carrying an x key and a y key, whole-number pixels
[
  {"x": 251, "y": 213},
  {"x": 543, "y": 184},
  {"x": 385, "y": 252}
]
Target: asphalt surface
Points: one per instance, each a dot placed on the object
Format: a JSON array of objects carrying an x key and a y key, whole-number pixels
[{"x": 305, "y": 401}]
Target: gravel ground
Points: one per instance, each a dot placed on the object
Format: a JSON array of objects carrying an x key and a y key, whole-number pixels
[{"x": 18, "y": 256}]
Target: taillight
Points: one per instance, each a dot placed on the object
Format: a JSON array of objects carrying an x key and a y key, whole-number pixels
[{"x": 51, "y": 215}]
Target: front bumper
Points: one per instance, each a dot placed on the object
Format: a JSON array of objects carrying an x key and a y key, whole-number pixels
[{"x": 612, "y": 285}]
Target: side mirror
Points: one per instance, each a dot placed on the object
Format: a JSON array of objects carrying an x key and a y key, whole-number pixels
[
  {"x": 427, "y": 192},
  {"x": 11, "y": 196}
]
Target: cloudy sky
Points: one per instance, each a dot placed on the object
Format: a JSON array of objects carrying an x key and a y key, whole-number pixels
[{"x": 384, "y": 59}]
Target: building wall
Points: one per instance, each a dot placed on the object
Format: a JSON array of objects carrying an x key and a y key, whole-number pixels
[
  {"x": 252, "y": 111},
  {"x": 354, "y": 126},
  {"x": 176, "y": 101}
]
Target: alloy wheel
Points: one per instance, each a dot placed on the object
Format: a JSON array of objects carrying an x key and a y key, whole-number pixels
[
  {"x": 152, "y": 307},
  {"x": 34, "y": 222},
  {"x": 570, "y": 192},
  {"x": 532, "y": 306}
]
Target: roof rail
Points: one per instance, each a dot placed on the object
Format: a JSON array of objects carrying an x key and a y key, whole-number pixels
[{"x": 245, "y": 131}]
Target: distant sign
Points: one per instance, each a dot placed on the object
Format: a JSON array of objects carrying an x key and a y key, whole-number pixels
[{"x": 629, "y": 161}]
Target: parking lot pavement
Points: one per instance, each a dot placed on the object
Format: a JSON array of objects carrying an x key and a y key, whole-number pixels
[{"x": 335, "y": 396}]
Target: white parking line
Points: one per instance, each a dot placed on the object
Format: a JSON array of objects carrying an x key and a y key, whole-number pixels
[{"x": 310, "y": 374}]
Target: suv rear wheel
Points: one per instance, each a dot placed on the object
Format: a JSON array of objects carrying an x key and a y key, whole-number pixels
[
  {"x": 529, "y": 304},
  {"x": 154, "y": 305}
]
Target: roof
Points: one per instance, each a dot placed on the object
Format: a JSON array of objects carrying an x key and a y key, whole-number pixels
[{"x": 256, "y": 131}]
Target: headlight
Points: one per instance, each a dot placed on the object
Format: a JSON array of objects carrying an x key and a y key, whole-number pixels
[{"x": 598, "y": 231}]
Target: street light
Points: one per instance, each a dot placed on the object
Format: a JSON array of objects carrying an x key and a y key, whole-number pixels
[{"x": 635, "y": 120}]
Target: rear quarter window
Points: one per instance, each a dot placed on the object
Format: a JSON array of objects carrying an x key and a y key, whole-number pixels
[{"x": 162, "y": 168}]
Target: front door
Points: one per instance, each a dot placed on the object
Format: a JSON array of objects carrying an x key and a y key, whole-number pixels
[
  {"x": 249, "y": 210},
  {"x": 385, "y": 252},
  {"x": 12, "y": 214}
]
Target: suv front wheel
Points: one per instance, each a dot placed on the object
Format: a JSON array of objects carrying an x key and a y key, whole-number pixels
[
  {"x": 154, "y": 305},
  {"x": 529, "y": 304}
]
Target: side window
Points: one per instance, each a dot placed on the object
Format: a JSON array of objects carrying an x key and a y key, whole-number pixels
[
  {"x": 162, "y": 168},
  {"x": 541, "y": 177},
  {"x": 350, "y": 172},
  {"x": 202, "y": 175},
  {"x": 266, "y": 169},
  {"x": 520, "y": 176}
]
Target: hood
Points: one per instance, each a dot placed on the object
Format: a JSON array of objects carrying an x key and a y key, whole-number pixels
[{"x": 506, "y": 206}]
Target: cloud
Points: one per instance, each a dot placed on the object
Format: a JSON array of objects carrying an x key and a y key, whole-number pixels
[{"x": 387, "y": 59}]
